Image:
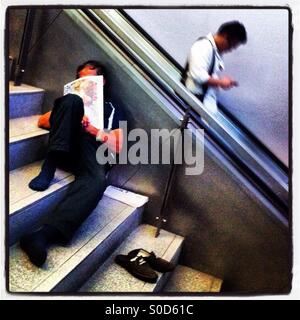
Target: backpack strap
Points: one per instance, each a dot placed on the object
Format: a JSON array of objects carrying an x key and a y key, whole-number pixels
[{"x": 210, "y": 70}]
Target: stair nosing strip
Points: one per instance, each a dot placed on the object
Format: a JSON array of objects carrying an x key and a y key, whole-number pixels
[
  {"x": 98, "y": 238},
  {"x": 15, "y": 207},
  {"x": 14, "y": 93},
  {"x": 26, "y": 136},
  {"x": 28, "y": 89}
]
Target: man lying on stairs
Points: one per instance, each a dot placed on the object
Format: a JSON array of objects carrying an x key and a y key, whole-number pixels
[{"x": 73, "y": 140}]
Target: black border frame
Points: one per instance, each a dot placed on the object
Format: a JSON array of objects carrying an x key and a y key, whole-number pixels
[{"x": 290, "y": 170}]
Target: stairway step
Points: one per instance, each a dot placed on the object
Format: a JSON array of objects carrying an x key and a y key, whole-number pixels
[
  {"x": 185, "y": 279},
  {"x": 68, "y": 267},
  {"x": 110, "y": 277},
  {"x": 27, "y": 142},
  {"x": 27, "y": 207},
  {"x": 24, "y": 128},
  {"x": 24, "y": 100}
]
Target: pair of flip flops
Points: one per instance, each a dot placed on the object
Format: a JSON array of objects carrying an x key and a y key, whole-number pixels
[{"x": 141, "y": 264}]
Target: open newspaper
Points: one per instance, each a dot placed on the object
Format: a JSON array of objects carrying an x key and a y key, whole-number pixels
[{"x": 90, "y": 89}]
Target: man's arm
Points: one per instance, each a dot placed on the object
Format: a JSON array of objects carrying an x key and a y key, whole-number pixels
[
  {"x": 44, "y": 120},
  {"x": 224, "y": 82},
  {"x": 199, "y": 63},
  {"x": 113, "y": 138}
]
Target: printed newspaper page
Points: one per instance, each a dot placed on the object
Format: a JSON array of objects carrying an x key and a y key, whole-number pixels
[{"x": 90, "y": 89}]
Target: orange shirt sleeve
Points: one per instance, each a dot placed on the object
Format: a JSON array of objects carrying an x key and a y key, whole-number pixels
[{"x": 44, "y": 120}]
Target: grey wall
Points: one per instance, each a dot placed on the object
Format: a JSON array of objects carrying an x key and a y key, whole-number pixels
[
  {"x": 16, "y": 24},
  {"x": 228, "y": 232},
  {"x": 261, "y": 67},
  {"x": 17, "y": 18}
]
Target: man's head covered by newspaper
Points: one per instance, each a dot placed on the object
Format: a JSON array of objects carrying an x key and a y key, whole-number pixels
[{"x": 89, "y": 68}]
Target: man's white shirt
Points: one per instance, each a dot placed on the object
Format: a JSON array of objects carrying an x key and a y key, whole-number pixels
[{"x": 199, "y": 60}]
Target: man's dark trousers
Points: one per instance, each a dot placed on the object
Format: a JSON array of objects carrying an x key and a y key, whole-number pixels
[{"x": 67, "y": 137}]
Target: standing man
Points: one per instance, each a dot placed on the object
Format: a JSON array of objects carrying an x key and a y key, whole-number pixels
[
  {"x": 73, "y": 140},
  {"x": 205, "y": 62}
]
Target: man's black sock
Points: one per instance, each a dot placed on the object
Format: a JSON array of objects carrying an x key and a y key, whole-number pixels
[
  {"x": 52, "y": 234},
  {"x": 35, "y": 244},
  {"x": 43, "y": 180}
]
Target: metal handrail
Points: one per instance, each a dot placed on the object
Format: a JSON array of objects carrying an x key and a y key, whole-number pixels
[
  {"x": 175, "y": 107},
  {"x": 144, "y": 52},
  {"x": 221, "y": 108},
  {"x": 24, "y": 48}
]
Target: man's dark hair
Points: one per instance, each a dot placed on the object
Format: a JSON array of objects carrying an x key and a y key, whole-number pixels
[
  {"x": 234, "y": 30},
  {"x": 94, "y": 64}
]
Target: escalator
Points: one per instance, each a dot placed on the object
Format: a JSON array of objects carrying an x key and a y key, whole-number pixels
[{"x": 263, "y": 169}]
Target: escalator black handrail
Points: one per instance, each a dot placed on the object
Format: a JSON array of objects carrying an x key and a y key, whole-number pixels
[
  {"x": 148, "y": 55},
  {"x": 279, "y": 204},
  {"x": 228, "y": 114}
]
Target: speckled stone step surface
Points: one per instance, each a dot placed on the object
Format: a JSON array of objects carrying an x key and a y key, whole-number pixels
[
  {"x": 24, "y": 128},
  {"x": 111, "y": 277},
  {"x": 24, "y": 100},
  {"x": 186, "y": 279},
  {"x": 26, "y": 206},
  {"x": 23, "y": 88},
  {"x": 27, "y": 142},
  {"x": 68, "y": 267}
]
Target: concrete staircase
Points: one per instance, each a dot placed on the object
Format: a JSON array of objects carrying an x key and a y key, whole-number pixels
[{"x": 86, "y": 264}]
